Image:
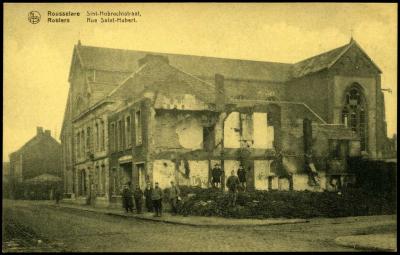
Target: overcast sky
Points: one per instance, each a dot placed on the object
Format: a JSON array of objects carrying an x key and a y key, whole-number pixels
[{"x": 37, "y": 57}]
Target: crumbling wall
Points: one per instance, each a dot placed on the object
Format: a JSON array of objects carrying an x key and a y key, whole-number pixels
[
  {"x": 232, "y": 131},
  {"x": 274, "y": 182},
  {"x": 301, "y": 182},
  {"x": 283, "y": 184},
  {"x": 263, "y": 135},
  {"x": 193, "y": 173},
  {"x": 199, "y": 173},
  {"x": 163, "y": 172},
  {"x": 231, "y": 165},
  {"x": 251, "y": 89},
  {"x": 262, "y": 170},
  {"x": 190, "y": 133},
  {"x": 178, "y": 131},
  {"x": 180, "y": 101},
  {"x": 248, "y": 130}
]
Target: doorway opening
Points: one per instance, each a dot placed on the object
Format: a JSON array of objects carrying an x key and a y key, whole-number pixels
[{"x": 126, "y": 173}]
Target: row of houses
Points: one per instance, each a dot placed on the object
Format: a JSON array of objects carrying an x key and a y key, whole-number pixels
[{"x": 134, "y": 116}]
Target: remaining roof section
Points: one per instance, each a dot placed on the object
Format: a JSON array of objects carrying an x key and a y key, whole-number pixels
[
  {"x": 99, "y": 90},
  {"x": 108, "y": 59},
  {"x": 127, "y": 60},
  {"x": 170, "y": 82},
  {"x": 317, "y": 63},
  {"x": 325, "y": 60}
]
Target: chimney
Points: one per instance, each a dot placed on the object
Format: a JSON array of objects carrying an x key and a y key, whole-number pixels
[
  {"x": 219, "y": 92},
  {"x": 153, "y": 58},
  {"x": 39, "y": 131},
  {"x": 47, "y": 132}
]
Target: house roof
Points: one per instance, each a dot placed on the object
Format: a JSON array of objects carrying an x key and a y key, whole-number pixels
[{"x": 33, "y": 141}]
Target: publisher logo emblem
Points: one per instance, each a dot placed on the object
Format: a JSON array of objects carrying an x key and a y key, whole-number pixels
[{"x": 34, "y": 17}]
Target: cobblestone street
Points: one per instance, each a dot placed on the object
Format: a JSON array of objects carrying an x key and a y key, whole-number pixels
[{"x": 87, "y": 231}]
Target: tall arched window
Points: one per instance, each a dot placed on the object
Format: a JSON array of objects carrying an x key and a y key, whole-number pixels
[{"x": 354, "y": 113}]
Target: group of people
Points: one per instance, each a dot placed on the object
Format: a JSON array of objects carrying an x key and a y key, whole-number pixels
[
  {"x": 217, "y": 174},
  {"x": 233, "y": 182},
  {"x": 153, "y": 198}
]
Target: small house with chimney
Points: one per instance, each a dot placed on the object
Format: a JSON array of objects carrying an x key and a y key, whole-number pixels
[{"x": 40, "y": 155}]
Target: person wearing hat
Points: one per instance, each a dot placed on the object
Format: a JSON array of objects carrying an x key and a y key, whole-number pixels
[
  {"x": 138, "y": 196},
  {"x": 127, "y": 200},
  {"x": 241, "y": 173},
  {"x": 216, "y": 174},
  {"x": 156, "y": 197}
]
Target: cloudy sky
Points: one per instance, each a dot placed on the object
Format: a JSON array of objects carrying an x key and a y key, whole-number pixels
[{"x": 37, "y": 56}]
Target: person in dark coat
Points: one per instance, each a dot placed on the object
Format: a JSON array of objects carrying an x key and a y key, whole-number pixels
[
  {"x": 156, "y": 197},
  {"x": 232, "y": 183},
  {"x": 58, "y": 194},
  {"x": 127, "y": 200},
  {"x": 241, "y": 173},
  {"x": 216, "y": 174},
  {"x": 173, "y": 195},
  {"x": 147, "y": 195},
  {"x": 138, "y": 195}
]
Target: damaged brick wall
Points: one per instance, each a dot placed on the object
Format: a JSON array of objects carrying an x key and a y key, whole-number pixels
[
  {"x": 179, "y": 130},
  {"x": 252, "y": 89},
  {"x": 248, "y": 130}
]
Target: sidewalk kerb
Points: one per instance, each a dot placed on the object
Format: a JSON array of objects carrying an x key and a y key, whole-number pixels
[{"x": 107, "y": 212}]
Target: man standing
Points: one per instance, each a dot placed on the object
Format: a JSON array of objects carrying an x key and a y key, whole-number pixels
[
  {"x": 216, "y": 174},
  {"x": 156, "y": 197},
  {"x": 138, "y": 195},
  {"x": 232, "y": 183},
  {"x": 173, "y": 195},
  {"x": 147, "y": 195},
  {"x": 242, "y": 177},
  {"x": 58, "y": 194},
  {"x": 127, "y": 198}
]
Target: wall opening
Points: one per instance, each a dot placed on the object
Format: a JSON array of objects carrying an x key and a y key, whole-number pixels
[{"x": 354, "y": 113}]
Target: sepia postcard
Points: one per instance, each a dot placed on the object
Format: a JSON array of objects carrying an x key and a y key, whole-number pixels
[{"x": 199, "y": 127}]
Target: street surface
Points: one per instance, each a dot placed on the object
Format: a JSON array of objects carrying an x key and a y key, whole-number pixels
[{"x": 72, "y": 230}]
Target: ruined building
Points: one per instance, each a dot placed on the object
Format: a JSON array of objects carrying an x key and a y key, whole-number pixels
[{"x": 141, "y": 116}]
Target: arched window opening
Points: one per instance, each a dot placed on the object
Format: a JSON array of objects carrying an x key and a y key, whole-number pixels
[{"x": 354, "y": 114}]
